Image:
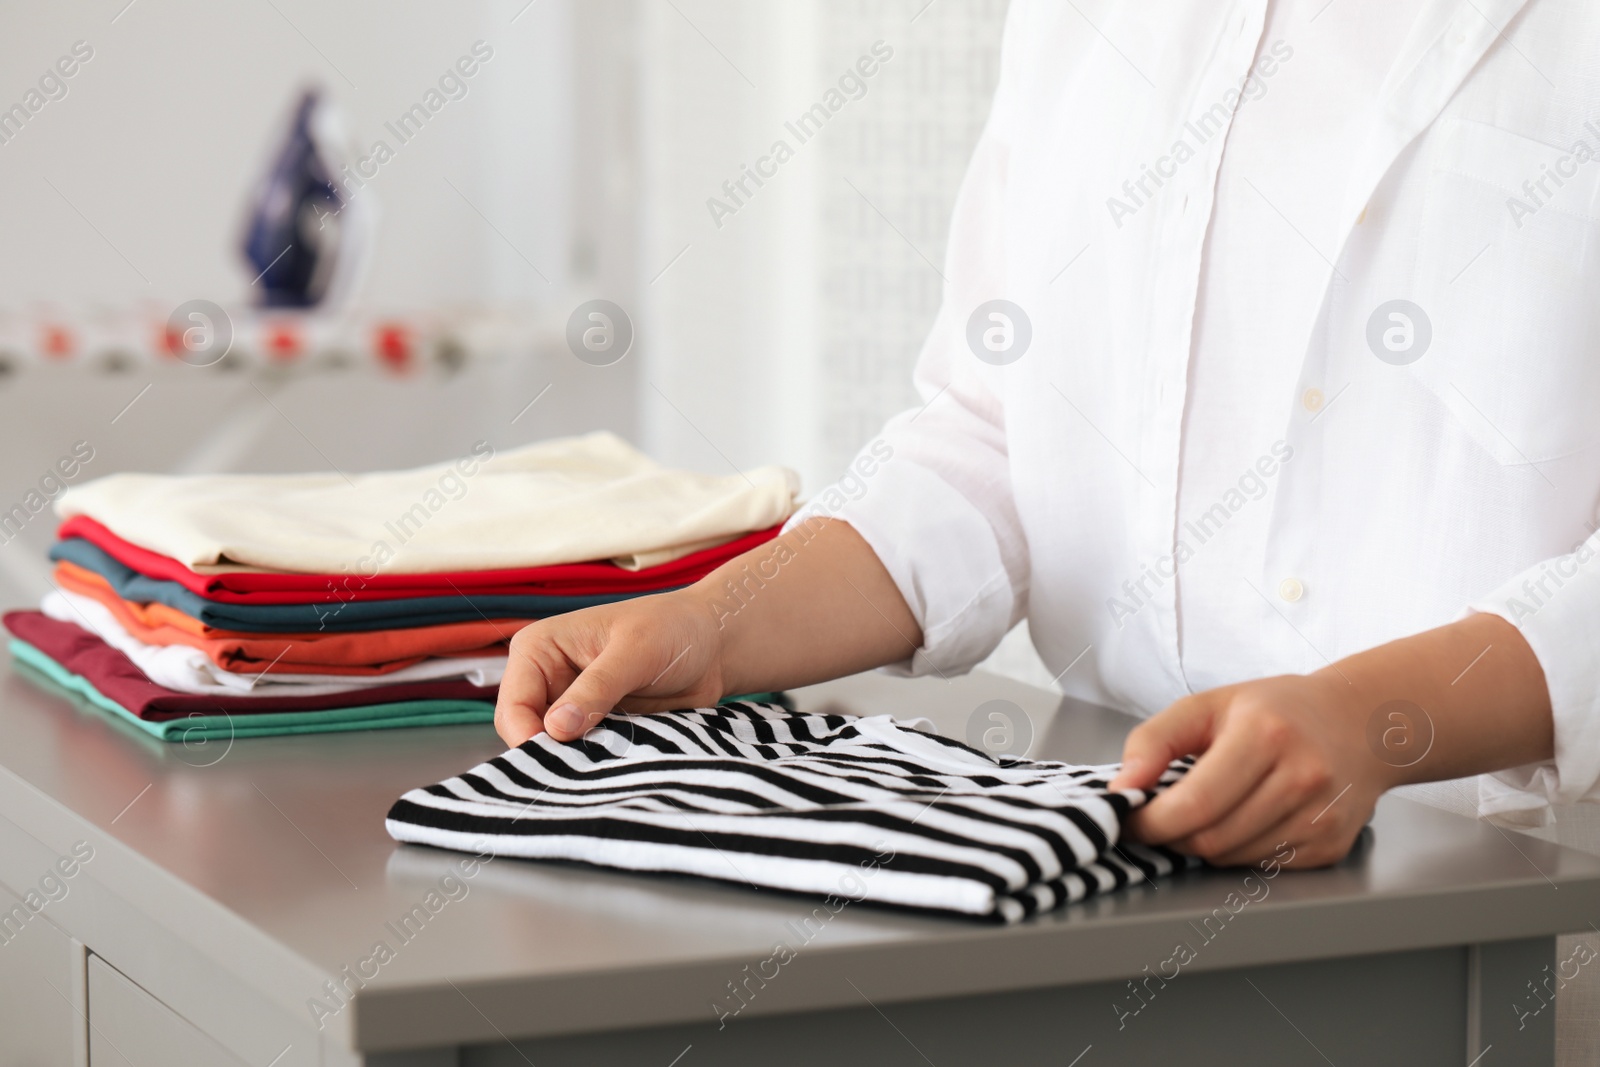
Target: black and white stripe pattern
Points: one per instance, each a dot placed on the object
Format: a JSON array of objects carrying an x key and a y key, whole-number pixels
[{"x": 858, "y": 808}]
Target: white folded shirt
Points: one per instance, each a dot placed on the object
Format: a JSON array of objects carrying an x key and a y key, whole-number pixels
[{"x": 189, "y": 670}]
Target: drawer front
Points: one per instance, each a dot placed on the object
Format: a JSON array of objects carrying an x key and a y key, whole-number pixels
[
  {"x": 131, "y": 1028},
  {"x": 41, "y": 993}
]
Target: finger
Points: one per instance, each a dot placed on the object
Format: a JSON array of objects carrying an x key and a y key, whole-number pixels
[
  {"x": 1278, "y": 797},
  {"x": 634, "y": 704},
  {"x": 1184, "y": 727},
  {"x": 516, "y": 723},
  {"x": 1264, "y": 844},
  {"x": 519, "y": 709},
  {"x": 1228, "y": 772},
  {"x": 599, "y": 687},
  {"x": 1322, "y": 832}
]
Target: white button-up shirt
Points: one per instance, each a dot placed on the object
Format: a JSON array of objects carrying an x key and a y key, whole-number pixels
[
  {"x": 1252, "y": 405},
  {"x": 1312, "y": 93}
]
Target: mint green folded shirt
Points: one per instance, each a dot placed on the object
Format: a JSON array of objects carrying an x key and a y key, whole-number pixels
[{"x": 268, "y": 723}]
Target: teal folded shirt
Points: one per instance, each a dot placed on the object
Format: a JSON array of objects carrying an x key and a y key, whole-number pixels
[
  {"x": 266, "y": 723},
  {"x": 327, "y": 614}
]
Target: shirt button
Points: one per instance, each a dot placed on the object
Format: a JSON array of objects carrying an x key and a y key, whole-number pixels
[
  {"x": 1311, "y": 399},
  {"x": 1291, "y": 590}
]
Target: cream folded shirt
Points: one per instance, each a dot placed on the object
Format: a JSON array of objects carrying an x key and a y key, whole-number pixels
[{"x": 562, "y": 501}]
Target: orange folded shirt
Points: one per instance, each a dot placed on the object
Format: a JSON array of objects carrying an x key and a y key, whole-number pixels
[{"x": 362, "y": 653}]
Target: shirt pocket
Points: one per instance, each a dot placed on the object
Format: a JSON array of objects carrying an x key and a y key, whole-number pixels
[{"x": 1507, "y": 275}]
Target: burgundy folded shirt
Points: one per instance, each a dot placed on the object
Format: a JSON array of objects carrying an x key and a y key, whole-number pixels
[
  {"x": 281, "y": 587},
  {"x": 116, "y": 677}
]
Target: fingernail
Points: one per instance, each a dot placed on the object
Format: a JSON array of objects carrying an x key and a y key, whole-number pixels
[{"x": 567, "y": 719}]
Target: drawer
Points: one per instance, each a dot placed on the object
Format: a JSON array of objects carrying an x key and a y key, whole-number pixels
[
  {"x": 41, "y": 990},
  {"x": 131, "y": 1028}
]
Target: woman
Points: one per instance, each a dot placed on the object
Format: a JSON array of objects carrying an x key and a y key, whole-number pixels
[{"x": 1262, "y": 388}]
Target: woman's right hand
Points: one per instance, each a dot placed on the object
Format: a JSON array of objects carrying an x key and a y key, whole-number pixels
[
  {"x": 814, "y": 603},
  {"x": 653, "y": 653}
]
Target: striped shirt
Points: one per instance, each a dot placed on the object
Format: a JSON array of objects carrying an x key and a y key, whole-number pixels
[{"x": 856, "y": 808}]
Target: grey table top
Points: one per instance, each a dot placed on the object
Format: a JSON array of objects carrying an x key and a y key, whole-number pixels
[{"x": 267, "y": 859}]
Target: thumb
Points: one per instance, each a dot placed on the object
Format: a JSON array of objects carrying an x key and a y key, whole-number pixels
[
  {"x": 593, "y": 694},
  {"x": 1183, "y": 728}
]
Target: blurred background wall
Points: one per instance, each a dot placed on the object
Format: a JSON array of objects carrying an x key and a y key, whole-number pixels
[
  {"x": 128, "y": 195},
  {"x": 581, "y": 162}
]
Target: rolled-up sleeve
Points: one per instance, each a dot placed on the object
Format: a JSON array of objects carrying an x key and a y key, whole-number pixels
[
  {"x": 1556, "y": 606},
  {"x": 932, "y": 495}
]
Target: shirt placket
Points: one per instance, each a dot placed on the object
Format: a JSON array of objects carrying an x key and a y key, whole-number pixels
[{"x": 1178, "y": 258}]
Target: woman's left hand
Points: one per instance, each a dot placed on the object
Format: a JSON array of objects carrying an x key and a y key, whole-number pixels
[
  {"x": 1289, "y": 760},
  {"x": 1283, "y": 760}
]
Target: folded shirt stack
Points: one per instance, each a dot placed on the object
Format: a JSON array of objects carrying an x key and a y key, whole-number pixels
[
  {"x": 243, "y": 605},
  {"x": 845, "y": 808}
]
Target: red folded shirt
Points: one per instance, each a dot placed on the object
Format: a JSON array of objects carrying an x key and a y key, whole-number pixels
[
  {"x": 566, "y": 579},
  {"x": 116, "y": 677}
]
